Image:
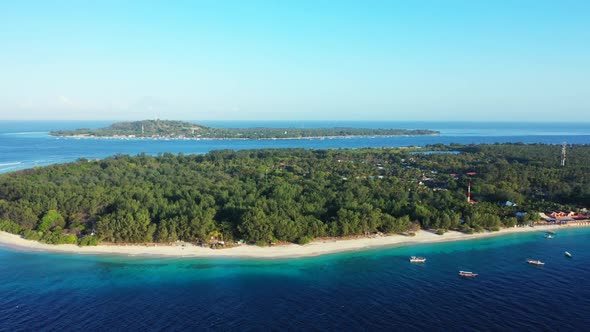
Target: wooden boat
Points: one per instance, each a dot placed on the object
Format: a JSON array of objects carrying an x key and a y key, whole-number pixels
[
  {"x": 467, "y": 274},
  {"x": 534, "y": 262},
  {"x": 550, "y": 232},
  {"x": 416, "y": 259},
  {"x": 568, "y": 255}
]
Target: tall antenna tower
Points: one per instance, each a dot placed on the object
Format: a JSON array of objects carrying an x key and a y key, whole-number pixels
[
  {"x": 563, "y": 146},
  {"x": 469, "y": 192}
]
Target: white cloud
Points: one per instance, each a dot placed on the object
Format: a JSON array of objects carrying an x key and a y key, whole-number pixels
[{"x": 63, "y": 100}]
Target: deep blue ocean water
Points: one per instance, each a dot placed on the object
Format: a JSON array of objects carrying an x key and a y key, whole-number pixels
[{"x": 366, "y": 290}]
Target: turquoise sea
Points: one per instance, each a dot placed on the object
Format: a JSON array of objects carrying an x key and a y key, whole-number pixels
[{"x": 365, "y": 290}]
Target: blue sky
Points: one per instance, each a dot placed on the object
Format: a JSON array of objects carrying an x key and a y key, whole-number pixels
[{"x": 295, "y": 60}]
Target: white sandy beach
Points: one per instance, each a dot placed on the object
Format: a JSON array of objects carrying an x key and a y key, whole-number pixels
[{"x": 315, "y": 248}]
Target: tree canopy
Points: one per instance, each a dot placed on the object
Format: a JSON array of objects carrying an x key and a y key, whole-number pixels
[{"x": 290, "y": 195}]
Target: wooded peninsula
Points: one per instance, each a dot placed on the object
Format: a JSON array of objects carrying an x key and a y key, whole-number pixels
[
  {"x": 179, "y": 129},
  {"x": 292, "y": 195}
]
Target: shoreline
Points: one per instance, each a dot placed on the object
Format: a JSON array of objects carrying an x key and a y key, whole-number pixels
[
  {"x": 315, "y": 248},
  {"x": 163, "y": 138}
]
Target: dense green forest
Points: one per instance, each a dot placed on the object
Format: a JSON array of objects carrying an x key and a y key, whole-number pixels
[
  {"x": 291, "y": 195},
  {"x": 179, "y": 129}
]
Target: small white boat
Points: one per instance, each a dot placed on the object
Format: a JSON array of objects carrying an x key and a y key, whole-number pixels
[
  {"x": 467, "y": 274},
  {"x": 548, "y": 236},
  {"x": 568, "y": 255},
  {"x": 416, "y": 259},
  {"x": 534, "y": 262}
]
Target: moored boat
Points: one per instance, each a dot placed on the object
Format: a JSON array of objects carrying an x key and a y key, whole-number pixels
[
  {"x": 548, "y": 236},
  {"x": 534, "y": 262},
  {"x": 467, "y": 274},
  {"x": 568, "y": 255},
  {"x": 416, "y": 259}
]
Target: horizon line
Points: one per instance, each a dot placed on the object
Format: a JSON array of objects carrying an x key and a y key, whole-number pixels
[{"x": 300, "y": 120}]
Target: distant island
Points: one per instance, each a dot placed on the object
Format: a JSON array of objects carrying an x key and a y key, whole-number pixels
[{"x": 179, "y": 129}]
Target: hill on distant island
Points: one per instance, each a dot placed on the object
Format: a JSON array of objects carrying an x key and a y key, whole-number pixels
[
  {"x": 144, "y": 128},
  {"x": 180, "y": 129}
]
